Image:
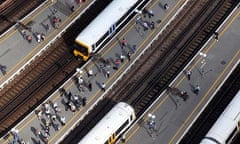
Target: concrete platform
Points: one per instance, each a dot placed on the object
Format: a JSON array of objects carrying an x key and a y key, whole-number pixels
[
  {"x": 139, "y": 37},
  {"x": 16, "y": 52},
  {"x": 172, "y": 114}
]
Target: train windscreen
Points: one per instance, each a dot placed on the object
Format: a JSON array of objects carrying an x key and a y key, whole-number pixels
[{"x": 81, "y": 49}]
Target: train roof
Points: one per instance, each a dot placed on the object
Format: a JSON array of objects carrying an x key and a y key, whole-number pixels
[
  {"x": 101, "y": 24},
  {"x": 108, "y": 124},
  {"x": 227, "y": 121}
]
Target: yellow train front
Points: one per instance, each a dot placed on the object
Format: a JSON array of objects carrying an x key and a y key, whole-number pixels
[
  {"x": 112, "y": 126},
  {"x": 103, "y": 26}
]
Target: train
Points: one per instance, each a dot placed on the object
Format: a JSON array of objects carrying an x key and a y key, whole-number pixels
[
  {"x": 112, "y": 126},
  {"x": 226, "y": 126},
  {"x": 105, "y": 25}
]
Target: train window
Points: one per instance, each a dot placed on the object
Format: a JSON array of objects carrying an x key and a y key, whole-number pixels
[
  {"x": 122, "y": 127},
  {"x": 81, "y": 49},
  {"x": 131, "y": 117}
]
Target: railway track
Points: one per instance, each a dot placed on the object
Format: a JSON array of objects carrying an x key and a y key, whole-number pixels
[
  {"x": 206, "y": 22},
  {"x": 211, "y": 113},
  {"x": 44, "y": 75},
  {"x": 168, "y": 55},
  {"x": 11, "y": 11}
]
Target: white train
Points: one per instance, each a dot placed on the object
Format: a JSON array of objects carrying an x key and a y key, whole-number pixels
[
  {"x": 226, "y": 126},
  {"x": 110, "y": 128},
  {"x": 104, "y": 26}
]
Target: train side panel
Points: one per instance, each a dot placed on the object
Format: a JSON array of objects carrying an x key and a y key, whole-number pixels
[{"x": 226, "y": 125}]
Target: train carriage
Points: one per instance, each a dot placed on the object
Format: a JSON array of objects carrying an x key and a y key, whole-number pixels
[
  {"x": 227, "y": 125},
  {"x": 103, "y": 26},
  {"x": 111, "y": 126}
]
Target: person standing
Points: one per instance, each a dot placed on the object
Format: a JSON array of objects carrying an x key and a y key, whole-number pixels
[
  {"x": 129, "y": 55},
  {"x": 107, "y": 74},
  {"x": 123, "y": 43},
  {"x": 189, "y": 73},
  {"x": 196, "y": 89},
  {"x": 103, "y": 86},
  {"x": 122, "y": 57},
  {"x": 90, "y": 73}
]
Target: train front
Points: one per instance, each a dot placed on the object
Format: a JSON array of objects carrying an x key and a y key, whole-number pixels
[{"x": 81, "y": 49}]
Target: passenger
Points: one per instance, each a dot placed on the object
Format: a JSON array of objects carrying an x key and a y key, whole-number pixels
[
  {"x": 47, "y": 27},
  {"x": 90, "y": 73},
  {"x": 103, "y": 86},
  {"x": 39, "y": 114},
  {"x": 107, "y": 74},
  {"x": 63, "y": 120},
  {"x": 134, "y": 47},
  {"x": 184, "y": 95},
  {"x": 123, "y": 43},
  {"x": 189, "y": 73},
  {"x": 117, "y": 63},
  {"x": 80, "y": 81},
  {"x": 29, "y": 38},
  {"x": 129, "y": 55},
  {"x": 38, "y": 37},
  {"x": 216, "y": 35},
  {"x": 122, "y": 57},
  {"x": 152, "y": 25},
  {"x": 72, "y": 8},
  {"x": 37, "y": 133},
  {"x": 145, "y": 26},
  {"x": 196, "y": 89},
  {"x": 150, "y": 13},
  {"x": 43, "y": 36},
  {"x": 72, "y": 106},
  {"x": 166, "y": 7},
  {"x": 107, "y": 63},
  {"x": 54, "y": 117}
]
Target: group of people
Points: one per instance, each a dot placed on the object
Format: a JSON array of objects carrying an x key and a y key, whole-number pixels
[
  {"x": 55, "y": 21},
  {"x": 146, "y": 24},
  {"x": 53, "y": 117}
]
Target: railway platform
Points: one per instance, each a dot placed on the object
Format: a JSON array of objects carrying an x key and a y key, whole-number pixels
[
  {"x": 31, "y": 36},
  {"x": 173, "y": 114},
  {"x": 86, "y": 84}
]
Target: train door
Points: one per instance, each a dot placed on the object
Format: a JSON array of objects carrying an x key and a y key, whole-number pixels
[{"x": 112, "y": 29}]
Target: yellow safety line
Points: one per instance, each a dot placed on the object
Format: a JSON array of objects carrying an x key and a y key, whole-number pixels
[
  {"x": 112, "y": 77},
  {"x": 205, "y": 96},
  {"x": 157, "y": 107},
  {"x": 38, "y": 46},
  {"x": 117, "y": 73}
]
